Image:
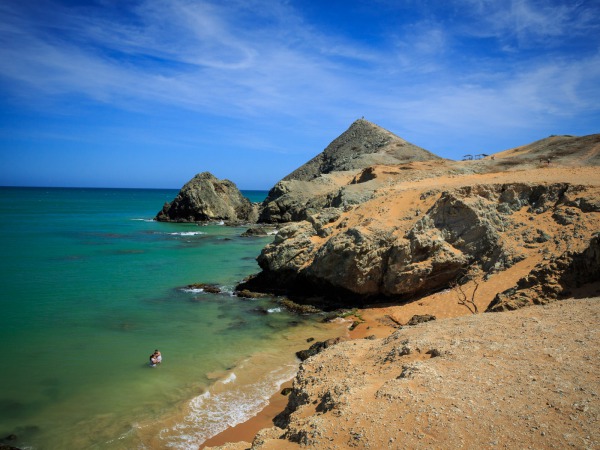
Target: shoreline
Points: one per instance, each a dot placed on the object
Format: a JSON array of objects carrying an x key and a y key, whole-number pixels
[
  {"x": 544, "y": 325},
  {"x": 378, "y": 321},
  {"x": 246, "y": 431}
]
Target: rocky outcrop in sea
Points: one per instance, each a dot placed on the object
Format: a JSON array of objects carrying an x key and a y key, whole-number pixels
[{"x": 205, "y": 198}]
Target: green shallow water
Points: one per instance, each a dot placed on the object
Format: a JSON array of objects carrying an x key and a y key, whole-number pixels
[{"x": 90, "y": 286}]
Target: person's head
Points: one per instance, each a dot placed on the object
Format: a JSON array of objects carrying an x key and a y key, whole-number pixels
[{"x": 156, "y": 351}]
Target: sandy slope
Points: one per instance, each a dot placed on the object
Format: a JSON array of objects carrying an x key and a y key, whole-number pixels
[{"x": 523, "y": 379}]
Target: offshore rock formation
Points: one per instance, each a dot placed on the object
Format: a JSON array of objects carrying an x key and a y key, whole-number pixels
[
  {"x": 325, "y": 181},
  {"x": 206, "y": 198}
]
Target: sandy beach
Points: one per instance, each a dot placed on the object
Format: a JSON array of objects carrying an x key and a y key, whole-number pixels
[
  {"x": 247, "y": 430},
  {"x": 533, "y": 393}
]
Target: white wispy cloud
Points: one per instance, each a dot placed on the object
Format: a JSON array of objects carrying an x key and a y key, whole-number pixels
[
  {"x": 526, "y": 23},
  {"x": 240, "y": 59},
  {"x": 188, "y": 53}
]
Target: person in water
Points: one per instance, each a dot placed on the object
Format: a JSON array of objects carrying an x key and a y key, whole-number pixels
[{"x": 155, "y": 358}]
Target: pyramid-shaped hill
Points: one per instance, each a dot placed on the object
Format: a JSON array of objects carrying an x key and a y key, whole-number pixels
[
  {"x": 327, "y": 180},
  {"x": 362, "y": 145},
  {"x": 563, "y": 150}
]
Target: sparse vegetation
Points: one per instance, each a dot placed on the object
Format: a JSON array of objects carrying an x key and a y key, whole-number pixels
[
  {"x": 463, "y": 297},
  {"x": 352, "y": 313}
]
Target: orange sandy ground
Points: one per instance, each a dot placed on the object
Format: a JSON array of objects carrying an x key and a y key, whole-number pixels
[{"x": 382, "y": 320}]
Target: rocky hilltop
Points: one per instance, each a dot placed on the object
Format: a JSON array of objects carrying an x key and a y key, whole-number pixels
[
  {"x": 327, "y": 179},
  {"x": 363, "y": 144},
  {"x": 206, "y": 198}
]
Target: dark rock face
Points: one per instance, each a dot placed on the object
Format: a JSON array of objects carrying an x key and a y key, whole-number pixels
[
  {"x": 317, "y": 347},
  {"x": 549, "y": 280},
  {"x": 206, "y": 198},
  {"x": 258, "y": 232},
  {"x": 420, "y": 318},
  {"x": 6, "y": 443},
  {"x": 210, "y": 288}
]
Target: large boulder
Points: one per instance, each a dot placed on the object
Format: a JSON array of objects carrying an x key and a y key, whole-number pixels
[{"x": 206, "y": 198}]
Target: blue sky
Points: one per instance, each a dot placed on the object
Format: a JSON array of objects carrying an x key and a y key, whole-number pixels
[{"x": 147, "y": 93}]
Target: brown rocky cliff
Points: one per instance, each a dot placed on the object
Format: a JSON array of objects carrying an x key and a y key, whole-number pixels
[
  {"x": 553, "y": 279},
  {"x": 520, "y": 379},
  {"x": 368, "y": 252}
]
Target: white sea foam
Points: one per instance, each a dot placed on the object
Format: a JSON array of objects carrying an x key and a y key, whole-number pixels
[
  {"x": 144, "y": 220},
  {"x": 187, "y": 233},
  {"x": 230, "y": 379},
  {"x": 213, "y": 412},
  {"x": 227, "y": 290},
  {"x": 196, "y": 290},
  {"x": 193, "y": 290},
  {"x": 274, "y": 310}
]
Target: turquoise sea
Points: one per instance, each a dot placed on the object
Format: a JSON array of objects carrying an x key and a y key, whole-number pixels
[{"x": 90, "y": 285}]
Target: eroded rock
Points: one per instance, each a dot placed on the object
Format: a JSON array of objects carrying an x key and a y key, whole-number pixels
[
  {"x": 550, "y": 280},
  {"x": 205, "y": 198},
  {"x": 463, "y": 229}
]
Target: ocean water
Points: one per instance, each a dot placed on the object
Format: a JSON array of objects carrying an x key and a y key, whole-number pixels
[{"x": 90, "y": 286}]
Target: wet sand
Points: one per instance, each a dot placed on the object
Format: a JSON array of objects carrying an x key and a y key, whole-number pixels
[{"x": 247, "y": 430}]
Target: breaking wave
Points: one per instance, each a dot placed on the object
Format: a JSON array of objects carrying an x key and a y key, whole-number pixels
[
  {"x": 226, "y": 404},
  {"x": 186, "y": 233}
]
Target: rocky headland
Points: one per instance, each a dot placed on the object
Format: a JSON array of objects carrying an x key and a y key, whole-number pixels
[
  {"x": 381, "y": 224},
  {"x": 358, "y": 235}
]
